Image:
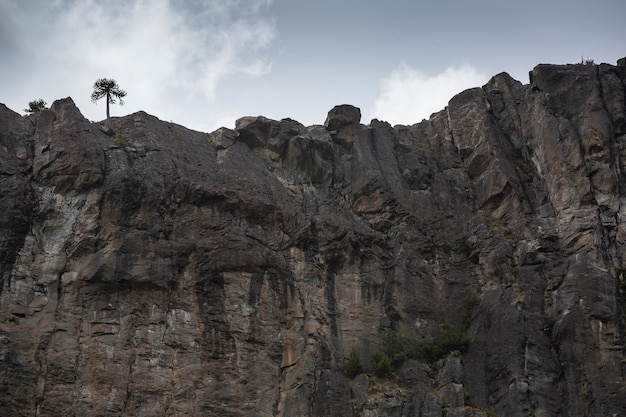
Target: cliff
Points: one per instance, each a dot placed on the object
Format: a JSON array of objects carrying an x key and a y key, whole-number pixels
[{"x": 150, "y": 270}]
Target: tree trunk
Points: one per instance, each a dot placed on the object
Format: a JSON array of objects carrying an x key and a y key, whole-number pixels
[{"x": 108, "y": 99}]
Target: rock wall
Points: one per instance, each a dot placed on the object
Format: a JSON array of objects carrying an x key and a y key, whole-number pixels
[{"x": 150, "y": 270}]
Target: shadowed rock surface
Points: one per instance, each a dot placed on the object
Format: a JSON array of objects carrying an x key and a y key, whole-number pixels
[{"x": 159, "y": 271}]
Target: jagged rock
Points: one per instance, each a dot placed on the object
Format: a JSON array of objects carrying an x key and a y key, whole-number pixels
[
  {"x": 163, "y": 271},
  {"x": 452, "y": 395},
  {"x": 343, "y": 123},
  {"x": 451, "y": 371},
  {"x": 384, "y": 407},
  {"x": 416, "y": 374},
  {"x": 430, "y": 405},
  {"x": 254, "y": 131},
  {"x": 222, "y": 138},
  {"x": 360, "y": 388},
  {"x": 458, "y": 412}
]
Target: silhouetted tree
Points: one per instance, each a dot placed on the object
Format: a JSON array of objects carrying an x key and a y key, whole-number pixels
[
  {"x": 36, "y": 106},
  {"x": 105, "y": 87}
]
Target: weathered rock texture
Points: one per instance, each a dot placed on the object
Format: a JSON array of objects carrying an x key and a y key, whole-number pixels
[{"x": 231, "y": 273}]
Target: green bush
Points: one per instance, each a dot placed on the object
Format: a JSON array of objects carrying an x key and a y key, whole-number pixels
[
  {"x": 354, "y": 366},
  {"x": 491, "y": 412},
  {"x": 123, "y": 141},
  {"x": 447, "y": 340},
  {"x": 469, "y": 302},
  {"x": 400, "y": 346},
  {"x": 381, "y": 364},
  {"x": 36, "y": 106}
]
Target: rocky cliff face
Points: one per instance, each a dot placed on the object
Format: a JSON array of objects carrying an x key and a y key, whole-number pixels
[{"x": 150, "y": 270}]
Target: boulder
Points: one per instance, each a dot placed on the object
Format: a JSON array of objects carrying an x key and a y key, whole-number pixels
[{"x": 343, "y": 123}]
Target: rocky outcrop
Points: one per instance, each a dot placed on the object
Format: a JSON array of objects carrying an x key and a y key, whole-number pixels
[{"x": 147, "y": 269}]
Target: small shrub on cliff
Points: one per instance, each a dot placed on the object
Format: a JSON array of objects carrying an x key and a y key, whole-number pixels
[
  {"x": 36, "y": 106},
  {"x": 354, "y": 366},
  {"x": 469, "y": 302},
  {"x": 123, "y": 141},
  {"x": 398, "y": 346},
  {"x": 381, "y": 364},
  {"x": 541, "y": 97},
  {"x": 491, "y": 412},
  {"x": 587, "y": 61},
  {"x": 447, "y": 340}
]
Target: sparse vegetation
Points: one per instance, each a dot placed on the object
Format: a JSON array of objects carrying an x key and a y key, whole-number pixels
[
  {"x": 354, "y": 365},
  {"x": 587, "y": 61},
  {"x": 491, "y": 412},
  {"x": 123, "y": 141},
  {"x": 399, "y": 346},
  {"x": 497, "y": 225},
  {"x": 447, "y": 340},
  {"x": 469, "y": 302},
  {"x": 381, "y": 364},
  {"x": 36, "y": 106},
  {"x": 541, "y": 97}
]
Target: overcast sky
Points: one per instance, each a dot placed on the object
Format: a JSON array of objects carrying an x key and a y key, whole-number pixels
[{"x": 205, "y": 63}]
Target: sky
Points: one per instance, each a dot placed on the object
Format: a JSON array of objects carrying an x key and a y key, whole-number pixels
[{"x": 205, "y": 63}]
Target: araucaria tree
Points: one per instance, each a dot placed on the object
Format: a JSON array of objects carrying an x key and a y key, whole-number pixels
[{"x": 105, "y": 87}]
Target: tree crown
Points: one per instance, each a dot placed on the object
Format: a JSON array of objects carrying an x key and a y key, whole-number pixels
[
  {"x": 107, "y": 87},
  {"x": 36, "y": 106}
]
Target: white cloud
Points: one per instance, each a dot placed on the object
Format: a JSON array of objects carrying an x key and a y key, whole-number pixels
[
  {"x": 408, "y": 95},
  {"x": 170, "y": 55}
]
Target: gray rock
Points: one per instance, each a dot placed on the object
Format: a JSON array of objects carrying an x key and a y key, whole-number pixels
[
  {"x": 222, "y": 138},
  {"x": 343, "y": 123},
  {"x": 231, "y": 273},
  {"x": 457, "y": 412},
  {"x": 431, "y": 406},
  {"x": 416, "y": 373},
  {"x": 452, "y": 395},
  {"x": 360, "y": 389},
  {"x": 254, "y": 131},
  {"x": 451, "y": 371}
]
